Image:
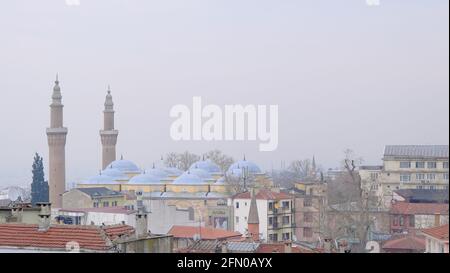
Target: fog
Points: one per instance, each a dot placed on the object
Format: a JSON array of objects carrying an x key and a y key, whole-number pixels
[{"x": 343, "y": 74}]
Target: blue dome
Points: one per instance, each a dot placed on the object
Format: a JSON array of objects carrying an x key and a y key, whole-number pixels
[
  {"x": 201, "y": 173},
  {"x": 252, "y": 167},
  {"x": 173, "y": 171},
  {"x": 145, "y": 178},
  {"x": 220, "y": 181},
  {"x": 114, "y": 173},
  {"x": 188, "y": 178},
  {"x": 100, "y": 179},
  {"x": 157, "y": 173},
  {"x": 123, "y": 165},
  {"x": 206, "y": 165}
]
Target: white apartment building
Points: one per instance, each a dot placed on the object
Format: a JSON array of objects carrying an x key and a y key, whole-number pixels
[
  {"x": 408, "y": 167},
  {"x": 275, "y": 212}
]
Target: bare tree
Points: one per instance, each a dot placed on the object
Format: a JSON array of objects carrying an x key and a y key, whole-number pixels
[
  {"x": 171, "y": 160},
  {"x": 181, "y": 161},
  {"x": 222, "y": 160},
  {"x": 351, "y": 216},
  {"x": 301, "y": 168}
]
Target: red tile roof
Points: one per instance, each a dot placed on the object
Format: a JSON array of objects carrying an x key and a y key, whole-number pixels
[
  {"x": 440, "y": 233},
  {"x": 281, "y": 248},
  {"x": 408, "y": 242},
  {"x": 264, "y": 194},
  {"x": 204, "y": 232},
  {"x": 57, "y": 236},
  {"x": 419, "y": 208},
  {"x": 118, "y": 230}
]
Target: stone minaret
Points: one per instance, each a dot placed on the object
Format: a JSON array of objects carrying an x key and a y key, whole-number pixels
[
  {"x": 253, "y": 218},
  {"x": 108, "y": 134},
  {"x": 56, "y": 136}
]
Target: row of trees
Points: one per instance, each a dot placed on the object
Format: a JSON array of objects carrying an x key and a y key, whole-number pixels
[{"x": 184, "y": 160}]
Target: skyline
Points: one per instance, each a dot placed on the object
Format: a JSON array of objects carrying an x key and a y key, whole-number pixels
[{"x": 363, "y": 92}]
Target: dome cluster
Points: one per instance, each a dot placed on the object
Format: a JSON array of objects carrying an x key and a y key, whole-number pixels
[{"x": 199, "y": 173}]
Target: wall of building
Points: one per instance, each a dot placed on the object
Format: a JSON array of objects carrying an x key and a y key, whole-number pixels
[{"x": 241, "y": 215}]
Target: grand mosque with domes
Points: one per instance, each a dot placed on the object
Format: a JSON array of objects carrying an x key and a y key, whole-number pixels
[{"x": 204, "y": 179}]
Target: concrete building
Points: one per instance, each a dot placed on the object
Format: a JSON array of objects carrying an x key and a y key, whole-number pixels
[
  {"x": 108, "y": 134},
  {"x": 407, "y": 217},
  {"x": 414, "y": 167},
  {"x": 97, "y": 216},
  {"x": 100, "y": 197},
  {"x": 275, "y": 214},
  {"x": 56, "y": 136},
  {"x": 436, "y": 239},
  {"x": 310, "y": 210}
]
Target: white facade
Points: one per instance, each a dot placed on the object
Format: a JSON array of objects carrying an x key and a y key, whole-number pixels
[
  {"x": 241, "y": 211},
  {"x": 433, "y": 245}
]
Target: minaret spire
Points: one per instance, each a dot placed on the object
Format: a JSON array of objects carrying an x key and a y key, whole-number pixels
[
  {"x": 253, "y": 218},
  {"x": 56, "y": 137},
  {"x": 108, "y": 135}
]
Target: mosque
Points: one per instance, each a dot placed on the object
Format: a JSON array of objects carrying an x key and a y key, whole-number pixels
[{"x": 203, "y": 180}]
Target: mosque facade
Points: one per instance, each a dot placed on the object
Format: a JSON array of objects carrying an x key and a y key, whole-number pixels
[{"x": 203, "y": 182}]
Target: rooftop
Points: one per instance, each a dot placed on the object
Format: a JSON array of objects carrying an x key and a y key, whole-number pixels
[
  {"x": 265, "y": 195},
  {"x": 99, "y": 192},
  {"x": 204, "y": 233},
  {"x": 419, "y": 208},
  {"x": 406, "y": 242},
  {"x": 423, "y": 195},
  {"x": 440, "y": 233},
  {"x": 116, "y": 210},
  {"x": 91, "y": 238},
  {"x": 415, "y": 151}
]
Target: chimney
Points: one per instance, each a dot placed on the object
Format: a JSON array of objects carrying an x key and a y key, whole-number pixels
[
  {"x": 253, "y": 218},
  {"x": 287, "y": 248},
  {"x": 327, "y": 245},
  {"x": 139, "y": 203},
  {"x": 141, "y": 224},
  {"x": 44, "y": 216},
  {"x": 224, "y": 247},
  {"x": 16, "y": 214}
]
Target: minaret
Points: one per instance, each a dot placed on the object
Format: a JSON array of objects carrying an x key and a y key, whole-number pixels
[
  {"x": 108, "y": 134},
  {"x": 56, "y": 136},
  {"x": 253, "y": 218}
]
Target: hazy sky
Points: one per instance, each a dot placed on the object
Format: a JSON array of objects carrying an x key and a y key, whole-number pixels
[{"x": 344, "y": 74}]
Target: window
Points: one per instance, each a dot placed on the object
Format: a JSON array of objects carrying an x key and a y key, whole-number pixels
[
  {"x": 431, "y": 165},
  {"x": 445, "y": 176},
  {"x": 401, "y": 221},
  {"x": 307, "y": 202},
  {"x": 420, "y": 165},
  {"x": 286, "y": 236},
  {"x": 395, "y": 221},
  {"x": 237, "y": 205},
  {"x": 273, "y": 237},
  {"x": 420, "y": 176},
  {"x": 237, "y": 219},
  {"x": 245, "y": 204},
  {"x": 405, "y": 177},
  {"x": 445, "y": 164},
  {"x": 431, "y": 176},
  {"x": 105, "y": 204},
  {"x": 270, "y": 205},
  {"x": 405, "y": 164},
  {"x": 373, "y": 176},
  {"x": 114, "y": 204},
  {"x": 412, "y": 221},
  {"x": 308, "y": 217},
  {"x": 95, "y": 204},
  {"x": 307, "y": 232},
  {"x": 286, "y": 220},
  {"x": 285, "y": 204},
  {"x": 270, "y": 219}
]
